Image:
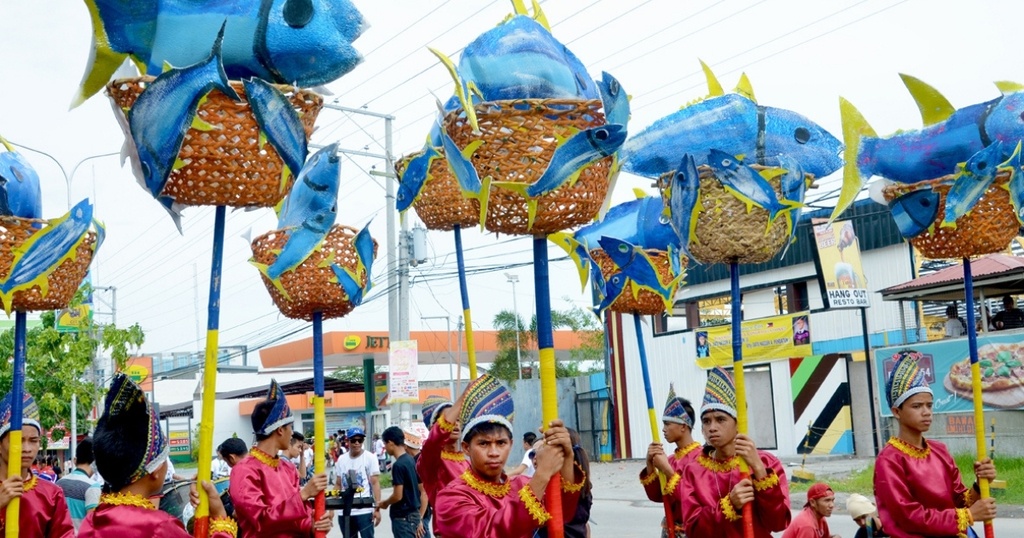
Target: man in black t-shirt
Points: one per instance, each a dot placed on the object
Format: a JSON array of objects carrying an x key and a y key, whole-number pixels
[
  {"x": 1010, "y": 318},
  {"x": 404, "y": 502}
]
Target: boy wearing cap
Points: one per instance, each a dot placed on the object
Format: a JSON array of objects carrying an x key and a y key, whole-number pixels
[
  {"x": 43, "y": 509},
  {"x": 917, "y": 484},
  {"x": 131, "y": 454},
  {"x": 713, "y": 491},
  {"x": 265, "y": 489},
  {"x": 358, "y": 469},
  {"x": 863, "y": 512},
  {"x": 485, "y": 503},
  {"x": 441, "y": 461},
  {"x": 810, "y": 522},
  {"x": 678, "y": 419}
]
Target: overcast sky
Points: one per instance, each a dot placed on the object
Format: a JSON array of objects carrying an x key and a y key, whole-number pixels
[{"x": 798, "y": 55}]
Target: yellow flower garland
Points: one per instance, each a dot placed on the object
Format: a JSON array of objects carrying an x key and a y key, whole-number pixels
[
  {"x": 490, "y": 489},
  {"x": 31, "y": 484},
  {"x": 910, "y": 450},
  {"x": 223, "y": 524},
  {"x": 719, "y": 466},
  {"x": 126, "y": 499},
  {"x": 534, "y": 506},
  {"x": 767, "y": 482},
  {"x": 682, "y": 452},
  {"x": 264, "y": 458},
  {"x": 728, "y": 509},
  {"x": 452, "y": 456}
]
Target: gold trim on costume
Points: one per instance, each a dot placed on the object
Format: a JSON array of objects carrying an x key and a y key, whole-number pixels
[
  {"x": 32, "y": 483},
  {"x": 490, "y": 489},
  {"x": 649, "y": 479},
  {"x": 717, "y": 466},
  {"x": 264, "y": 458},
  {"x": 443, "y": 423},
  {"x": 127, "y": 499},
  {"x": 453, "y": 456},
  {"x": 969, "y": 497},
  {"x": 728, "y": 509},
  {"x": 575, "y": 488},
  {"x": 963, "y": 520},
  {"x": 682, "y": 452},
  {"x": 767, "y": 482},
  {"x": 671, "y": 485},
  {"x": 533, "y": 505},
  {"x": 910, "y": 450},
  {"x": 223, "y": 524}
]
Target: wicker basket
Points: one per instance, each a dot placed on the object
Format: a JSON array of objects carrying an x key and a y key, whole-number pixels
[
  {"x": 647, "y": 302},
  {"x": 726, "y": 232},
  {"x": 226, "y": 166},
  {"x": 518, "y": 144},
  {"x": 440, "y": 204},
  {"x": 989, "y": 227},
  {"x": 310, "y": 287},
  {"x": 62, "y": 283}
]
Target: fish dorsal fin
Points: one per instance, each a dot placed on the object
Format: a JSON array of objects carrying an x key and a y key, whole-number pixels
[
  {"x": 519, "y": 7},
  {"x": 744, "y": 88},
  {"x": 714, "y": 87},
  {"x": 6, "y": 144},
  {"x": 539, "y": 16},
  {"x": 640, "y": 193},
  {"x": 1008, "y": 86},
  {"x": 934, "y": 106}
]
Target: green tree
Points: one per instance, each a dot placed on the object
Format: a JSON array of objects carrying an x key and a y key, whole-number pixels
[{"x": 56, "y": 363}]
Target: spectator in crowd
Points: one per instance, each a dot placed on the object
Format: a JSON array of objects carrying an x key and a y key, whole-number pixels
[
  {"x": 954, "y": 327},
  {"x": 526, "y": 467},
  {"x": 863, "y": 512},
  {"x": 404, "y": 502},
  {"x": 359, "y": 471},
  {"x": 378, "y": 449},
  {"x": 1011, "y": 317},
  {"x": 76, "y": 483},
  {"x": 810, "y": 523}
]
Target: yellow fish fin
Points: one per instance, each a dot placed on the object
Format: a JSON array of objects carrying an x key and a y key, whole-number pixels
[
  {"x": 714, "y": 87},
  {"x": 744, "y": 88},
  {"x": 934, "y": 106}
]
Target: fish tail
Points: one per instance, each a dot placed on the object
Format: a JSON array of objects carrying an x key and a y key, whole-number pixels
[
  {"x": 531, "y": 212},
  {"x": 222, "y": 82},
  {"x": 265, "y": 271},
  {"x": 573, "y": 248},
  {"x": 460, "y": 88},
  {"x": 855, "y": 127},
  {"x": 483, "y": 197},
  {"x": 103, "y": 60},
  {"x": 613, "y": 177}
]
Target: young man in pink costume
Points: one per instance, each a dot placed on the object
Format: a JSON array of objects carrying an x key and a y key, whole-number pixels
[{"x": 678, "y": 419}]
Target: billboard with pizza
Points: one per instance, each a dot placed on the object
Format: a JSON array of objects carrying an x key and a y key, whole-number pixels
[{"x": 948, "y": 370}]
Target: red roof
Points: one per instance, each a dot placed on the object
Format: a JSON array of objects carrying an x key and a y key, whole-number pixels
[{"x": 993, "y": 266}]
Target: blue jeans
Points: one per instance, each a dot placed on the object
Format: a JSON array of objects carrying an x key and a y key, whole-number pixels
[
  {"x": 361, "y": 526},
  {"x": 405, "y": 527}
]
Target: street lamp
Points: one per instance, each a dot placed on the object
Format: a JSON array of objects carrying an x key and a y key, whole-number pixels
[
  {"x": 448, "y": 328},
  {"x": 67, "y": 177},
  {"x": 515, "y": 308}
]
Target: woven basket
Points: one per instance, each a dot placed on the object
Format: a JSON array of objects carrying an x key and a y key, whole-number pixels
[
  {"x": 647, "y": 302},
  {"x": 63, "y": 283},
  {"x": 518, "y": 144},
  {"x": 989, "y": 227},
  {"x": 726, "y": 232},
  {"x": 226, "y": 166},
  {"x": 440, "y": 204},
  {"x": 309, "y": 286}
]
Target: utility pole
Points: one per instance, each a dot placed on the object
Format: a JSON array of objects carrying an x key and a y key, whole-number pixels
[
  {"x": 515, "y": 307},
  {"x": 448, "y": 329}
]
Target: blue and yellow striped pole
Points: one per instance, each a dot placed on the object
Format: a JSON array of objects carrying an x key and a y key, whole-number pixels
[
  {"x": 17, "y": 410},
  {"x": 202, "y": 521},
  {"x": 670, "y": 522},
  {"x": 319, "y": 418},
  {"x": 979, "y": 413},
  {"x": 548, "y": 387},
  {"x": 741, "y": 387},
  {"x": 470, "y": 344}
]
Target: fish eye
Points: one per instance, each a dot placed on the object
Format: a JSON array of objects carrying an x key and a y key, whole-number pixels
[
  {"x": 601, "y": 134},
  {"x": 297, "y": 13},
  {"x": 1022, "y": 116},
  {"x": 801, "y": 135},
  {"x": 982, "y": 165},
  {"x": 623, "y": 248},
  {"x": 662, "y": 219},
  {"x": 726, "y": 162}
]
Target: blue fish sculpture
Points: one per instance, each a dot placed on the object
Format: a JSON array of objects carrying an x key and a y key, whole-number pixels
[
  {"x": 465, "y": 174},
  {"x": 302, "y": 42},
  {"x": 43, "y": 252},
  {"x": 279, "y": 123},
  {"x": 748, "y": 185},
  {"x": 684, "y": 202},
  {"x": 20, "y": 193},
  {"x": 163, "y": 114},
  {"x": 915, "y": 212},
  {"x": 950, "y": 136},
  {"x": 794, "y": 188},
  {"x": 638, "y": 267},
  {"x": 614, "y": 100},
  {"x": 320, "y": 175},
  {"x": 1015, "y": 185},
  {"x": 570, "y": 158},
  {"x": 349, "y": 280},
  {"x": 314, "y": 191},
  {"x": 737, "y": 125},
  {"x": 611, "y": 291},
  {"x": 417, "y": 171},
  {"x": 973, "y": 181},
  {"x": 640, "y": 222}
]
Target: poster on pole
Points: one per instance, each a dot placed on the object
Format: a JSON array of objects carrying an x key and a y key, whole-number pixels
[
  {"x": 839, "y": 267},
  {"x": 402, "y": 362}
]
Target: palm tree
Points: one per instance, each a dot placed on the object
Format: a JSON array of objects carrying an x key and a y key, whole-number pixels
[{"x": 576, "y": 319}]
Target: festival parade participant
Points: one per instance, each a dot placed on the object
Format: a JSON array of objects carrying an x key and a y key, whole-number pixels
[
  {"x": 265, "y": 489},
  {"x": 485, "y": 503},
  {"x": 810, "y": 522},
  {"x": 713, "y": 490},
  {"x": 131, "y": 453},
  {"x": 43, "y": 508},
  {"x": 917, "y": 484},
  {"x": 441, "y": 461},
  {"x": 678, "y": 419}
]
